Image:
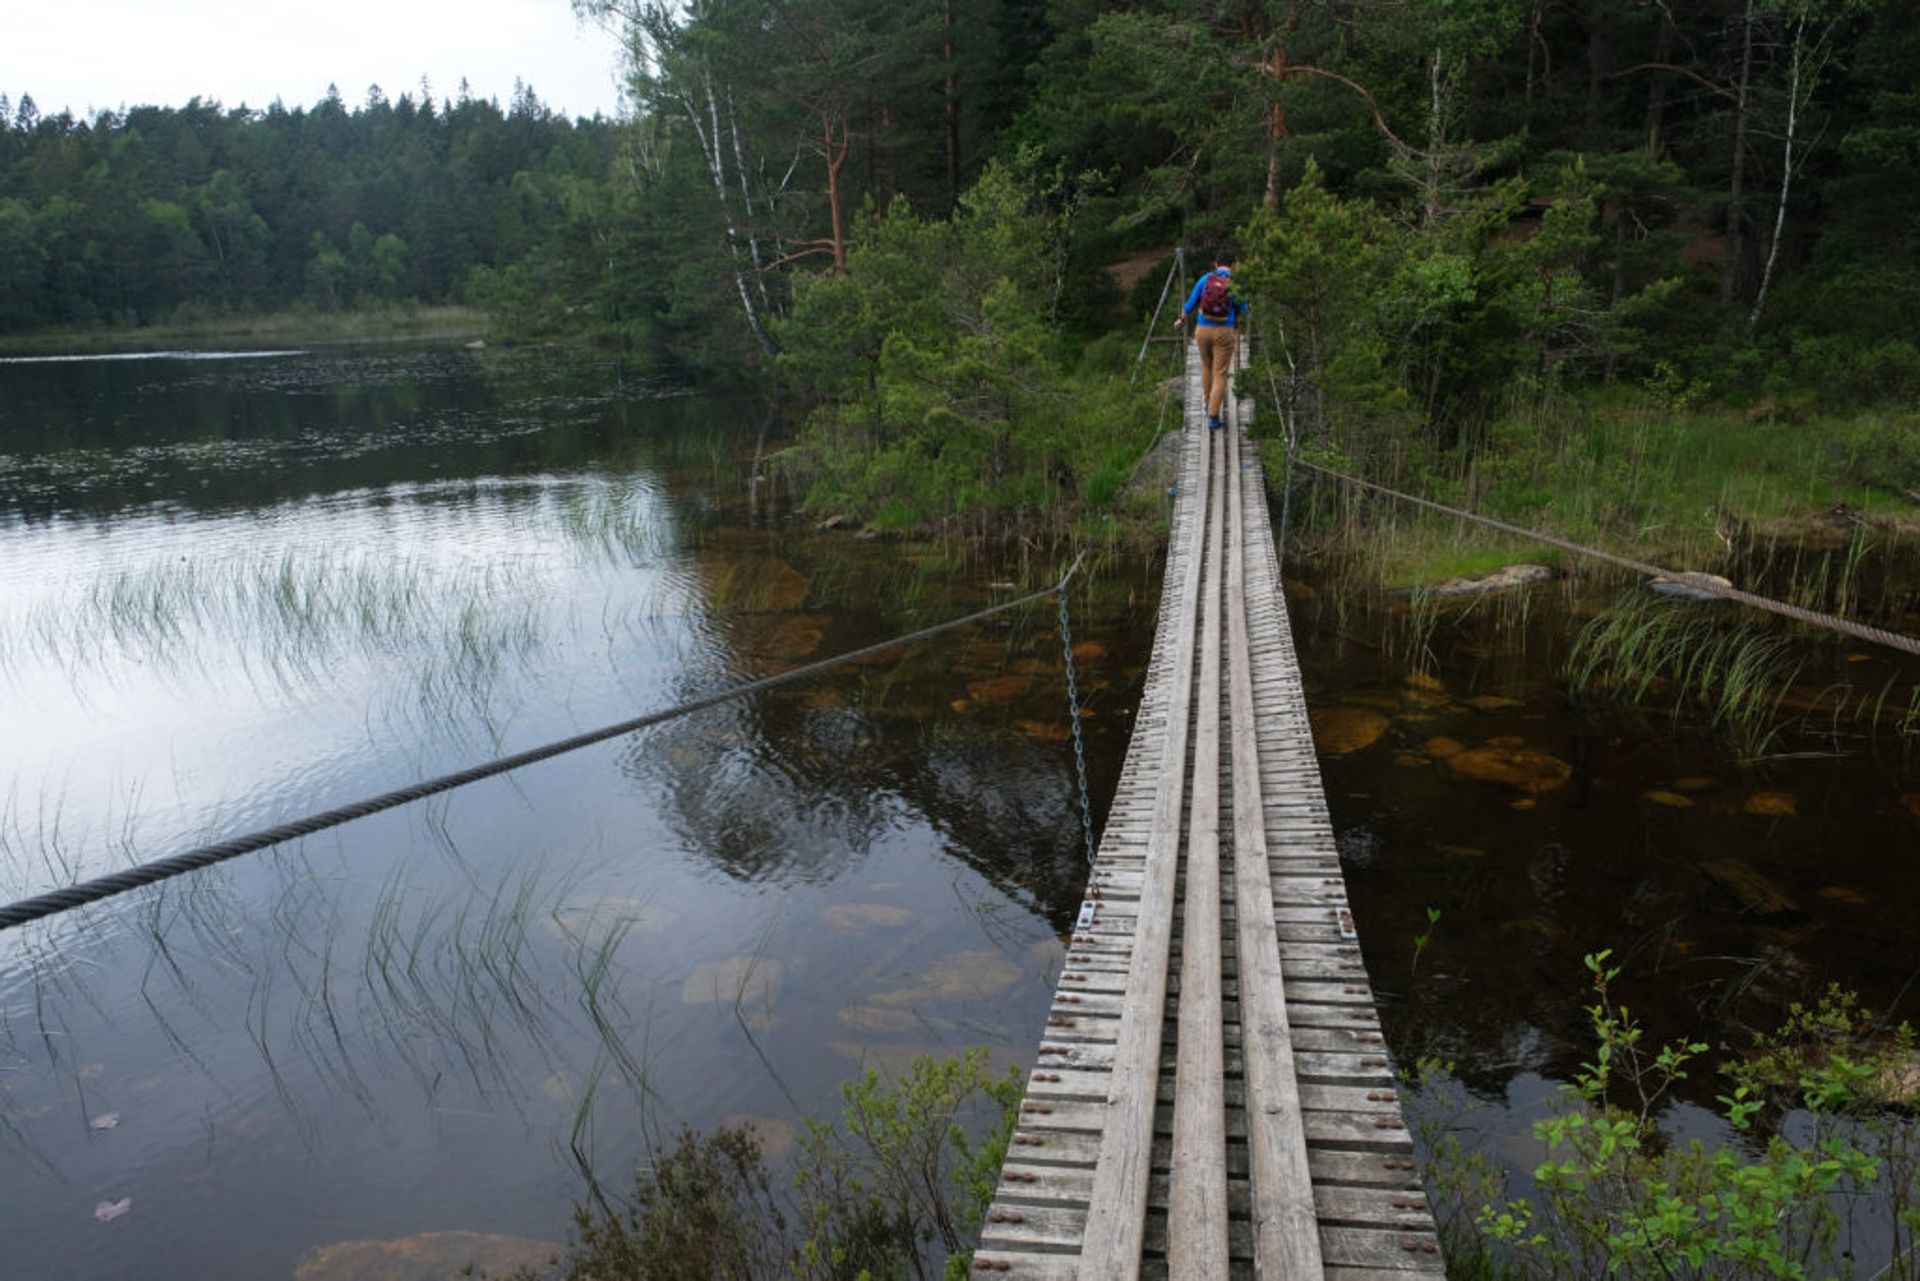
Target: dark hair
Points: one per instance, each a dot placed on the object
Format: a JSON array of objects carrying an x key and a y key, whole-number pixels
[{"x": 1225, "y": 258}]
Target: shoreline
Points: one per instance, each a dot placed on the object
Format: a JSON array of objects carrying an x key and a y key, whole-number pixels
[{"x": 268, "y": 328}]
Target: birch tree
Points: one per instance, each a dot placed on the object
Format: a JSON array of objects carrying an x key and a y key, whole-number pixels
[{"x": 1811, "y": 27}]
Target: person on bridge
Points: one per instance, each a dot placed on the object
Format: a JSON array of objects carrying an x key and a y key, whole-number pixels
[{"x": 1216, "y": 332}]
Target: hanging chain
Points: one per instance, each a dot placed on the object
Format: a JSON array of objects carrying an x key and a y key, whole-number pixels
[{"x": 1073, "y": 720}]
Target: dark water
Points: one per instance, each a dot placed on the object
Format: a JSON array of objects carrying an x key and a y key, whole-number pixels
[
  {"x": 1727, "y": 885},
  {"x": 233, "y": 591}
]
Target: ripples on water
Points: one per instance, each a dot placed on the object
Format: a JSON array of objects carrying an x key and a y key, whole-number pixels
[{"x": 236, "y": 591}]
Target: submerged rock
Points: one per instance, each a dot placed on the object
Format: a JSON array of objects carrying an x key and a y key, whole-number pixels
[
  {"x": 746, "y": 979},
  {"x": 1912, "y": 801},
  {"x": 999, "y": 690},
  {"x": 873, "y": 1018},
  {"x": 755, "y": 581},
  {"x": 1772, "y": 804},
  {"x": 1755, "y": 892},
  {"x": 1692, "y": 784},
  {"x": 428, "y": 1256},
  {"x": 1338, "y": 731},
  {"x": 1520, "y": 768},
  {"x": 858, "y": 918},
  {"x": 781, "y": 636},
  {"x": 1672, "y": 800},
  {"x": 1442, "y": 747},
  {"x": 1841, "y": 894},
  {"x": 1502, "y": 579},
  {"x": 968, "y": 975},
  {"x": 1493, "y": 703}
]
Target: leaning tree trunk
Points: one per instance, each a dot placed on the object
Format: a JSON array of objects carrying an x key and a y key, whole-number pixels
[
  {"x": 1657, "y": 89},
  {"x": 952, "y": 90},
  {"x": 1276, "y": 129},
  {"x": 1599, "y": 61},
  {"x": 836, "y": 158},
  {"x": 710, "y": 147},
  {"x": 1730, "y": 269},
  {"x": 1436, "y": 140},
  {"x": 1786, "y": 170}
]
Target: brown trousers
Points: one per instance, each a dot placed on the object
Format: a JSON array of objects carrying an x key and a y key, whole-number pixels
[{"x": 1217, "y": 344}]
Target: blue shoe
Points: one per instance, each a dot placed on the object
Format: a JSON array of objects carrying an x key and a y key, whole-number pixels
[{"x": 1213, "y": 421}]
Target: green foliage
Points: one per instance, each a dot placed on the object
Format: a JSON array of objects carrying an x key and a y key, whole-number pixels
[
  {"x": 898, "y": 1183},
  {"x": 944, "y": 390},
  {"x": 1615, "y": 1195},
  {"x": 139, "y": 216},
  {"x": 1424, "y": 937}
]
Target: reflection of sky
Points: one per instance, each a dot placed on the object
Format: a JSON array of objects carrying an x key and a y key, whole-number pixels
[
  {"x": 408, "y": 1023},
  {"x": 216, "y": 702},
  {"x": 147, "y": 355}
]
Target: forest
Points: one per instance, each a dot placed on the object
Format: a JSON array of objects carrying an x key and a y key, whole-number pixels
[{"x": 1448, "y": 210}]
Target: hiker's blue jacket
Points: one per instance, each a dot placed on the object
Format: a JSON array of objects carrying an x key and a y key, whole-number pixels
[{"x": 1193, "y": 302}]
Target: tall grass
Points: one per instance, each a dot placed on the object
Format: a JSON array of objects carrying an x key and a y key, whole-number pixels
[
  {"x": 1690, "y": 658},
  {"x": 1825, "y": 503}
]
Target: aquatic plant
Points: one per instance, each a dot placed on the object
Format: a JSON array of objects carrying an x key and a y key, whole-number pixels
[
  {"x": 1815, "y": 1171},
  {"x": 1424, "y": 937},
  {"x": 1646, "y": 648},
  {"x": 896, "y": 1188}
]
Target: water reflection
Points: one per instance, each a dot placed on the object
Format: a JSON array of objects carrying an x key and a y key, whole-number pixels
[
  {"x": 1545, "y": 827},
  {"x": 261, "y": 588}
]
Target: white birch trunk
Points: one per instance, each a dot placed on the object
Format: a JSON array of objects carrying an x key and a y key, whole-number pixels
[
  {"x": 710, "y": 147},
  {"x": 746, "y": 201},
  {"x": 1786, "y": 170}
]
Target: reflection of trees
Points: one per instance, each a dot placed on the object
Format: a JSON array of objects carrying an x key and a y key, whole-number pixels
[
  {"x": 93, "y": 438},
  {"x": 800, "y": 783},
  {"x": 482, "y": 985}
]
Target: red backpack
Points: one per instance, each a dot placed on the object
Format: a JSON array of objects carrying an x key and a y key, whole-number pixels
[{"x": 1216, "y": 297}]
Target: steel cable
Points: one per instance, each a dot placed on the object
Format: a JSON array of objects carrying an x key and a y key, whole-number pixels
[
  {"x": 71, "y": 896},
  {"x": 1703, "y": 582}
]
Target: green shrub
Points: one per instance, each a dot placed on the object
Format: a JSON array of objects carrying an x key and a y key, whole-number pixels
[
  {"x": 1821, "y": 1138},
  {"x": 894, "y": 1188}
]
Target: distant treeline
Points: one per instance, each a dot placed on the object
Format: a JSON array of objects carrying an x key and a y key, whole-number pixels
[
  {"x": 162, "y": 213},
  {"x": 1731, "y": 186}
]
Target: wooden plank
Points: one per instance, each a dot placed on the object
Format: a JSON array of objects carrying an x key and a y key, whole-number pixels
[
  {"x": 1268, "y": 986},
  {"x": 1117, "y": 1207},
  {"x": 1197, "y": 1237},
  {"x": 1069, "y": 1149},
  {"x": 1058, "y": 1227}
]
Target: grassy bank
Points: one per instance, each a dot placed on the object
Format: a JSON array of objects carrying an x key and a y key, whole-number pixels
[
  {"x": 298, "y": 326},
  {"x": 1628, "y": 471}
]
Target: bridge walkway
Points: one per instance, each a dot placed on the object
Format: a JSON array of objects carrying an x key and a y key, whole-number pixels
[{"x": 1213, "y": 1096}]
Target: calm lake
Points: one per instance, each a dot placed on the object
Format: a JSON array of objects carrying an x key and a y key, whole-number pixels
[{"x": 237, "y": 590}]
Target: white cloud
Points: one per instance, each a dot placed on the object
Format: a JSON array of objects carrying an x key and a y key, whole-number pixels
[{"x": 87, "y": 55}]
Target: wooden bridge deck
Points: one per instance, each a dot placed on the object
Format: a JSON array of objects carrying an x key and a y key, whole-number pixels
[{"x": 1212, "y": 1097}]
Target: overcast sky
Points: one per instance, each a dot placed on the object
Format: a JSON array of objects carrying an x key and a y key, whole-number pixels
[{"x": 85, "y": 55}]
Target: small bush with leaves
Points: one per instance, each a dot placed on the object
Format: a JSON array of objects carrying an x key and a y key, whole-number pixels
[
  {"x": 895, "y": 1189},
  {"x": 1822, "y": 1140}
]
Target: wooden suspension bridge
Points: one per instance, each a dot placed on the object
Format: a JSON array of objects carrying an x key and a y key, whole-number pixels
[{"x": 1213, "y": 1097}]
